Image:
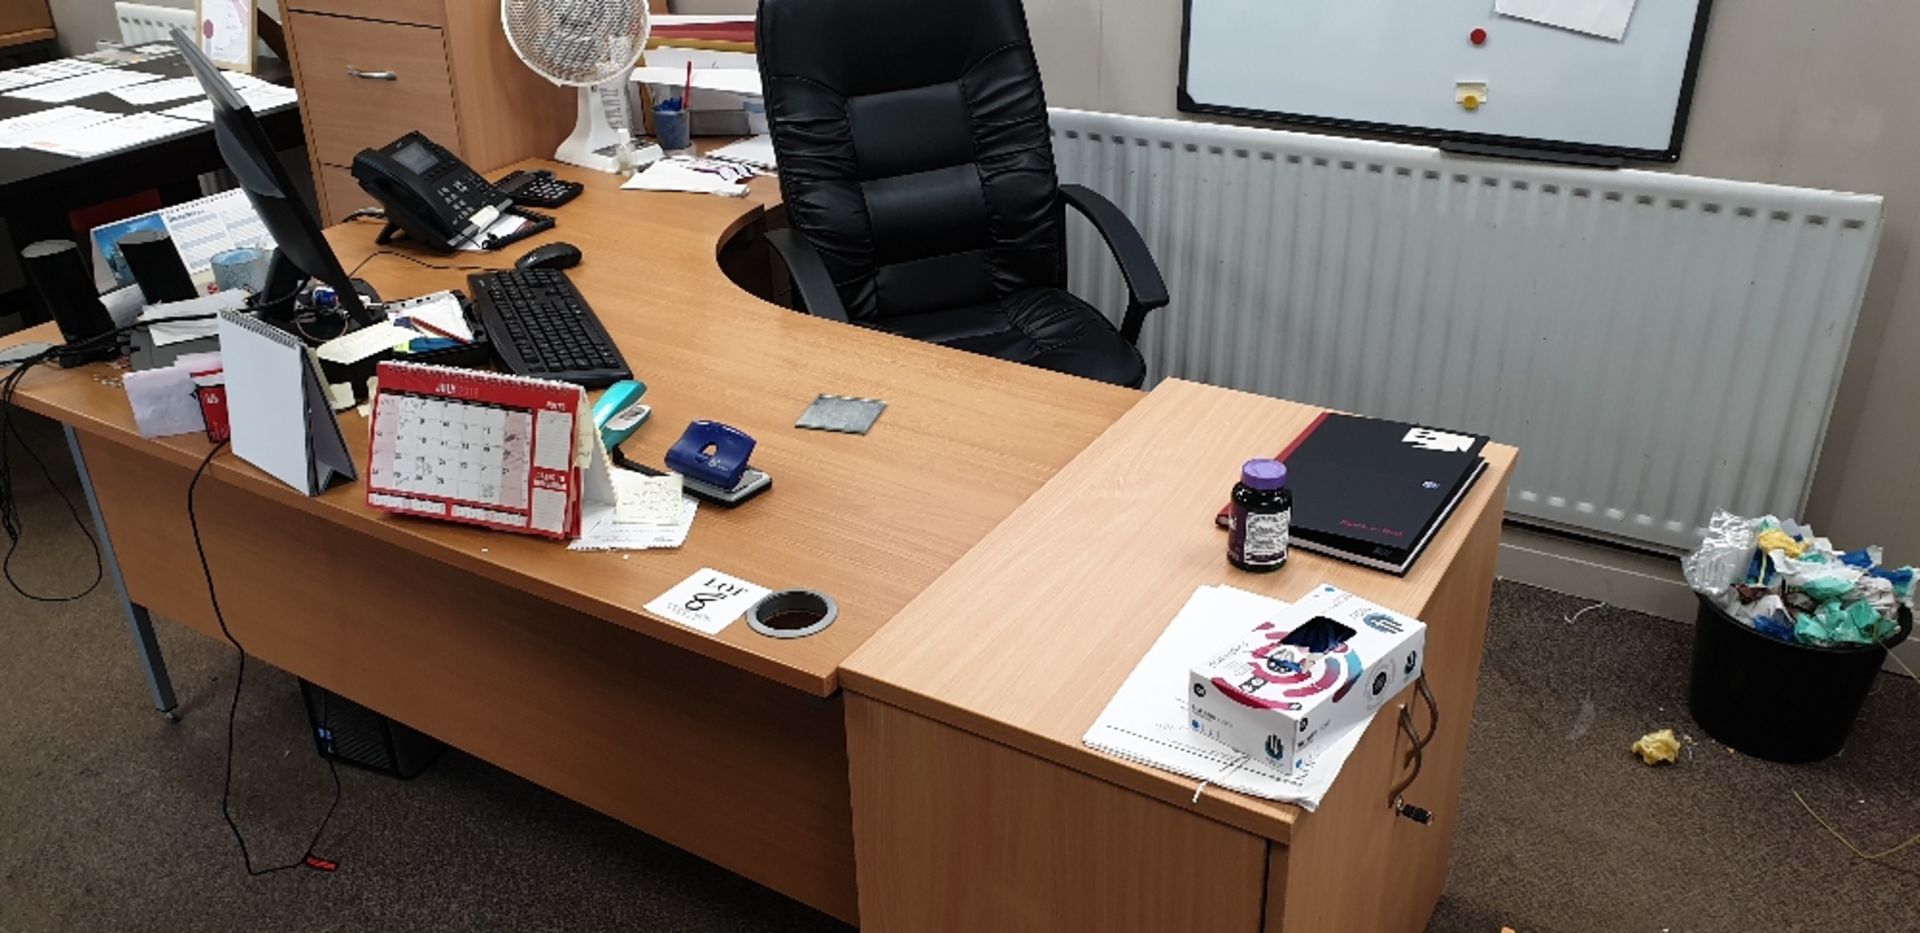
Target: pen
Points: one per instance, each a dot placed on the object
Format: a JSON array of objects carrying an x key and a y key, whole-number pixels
[{"x": 686, "y": 97}]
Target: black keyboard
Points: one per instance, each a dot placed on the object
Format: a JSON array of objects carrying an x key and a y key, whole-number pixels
[{"x": 541, "y": 327}]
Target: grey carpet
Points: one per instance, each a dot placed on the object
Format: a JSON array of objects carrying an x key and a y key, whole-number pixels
[{"x": 110, "y": 815}]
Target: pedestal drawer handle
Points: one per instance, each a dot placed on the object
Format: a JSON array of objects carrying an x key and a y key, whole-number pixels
[{"x": 372, "y": 75}]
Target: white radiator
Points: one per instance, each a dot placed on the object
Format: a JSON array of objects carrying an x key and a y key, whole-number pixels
[
  {"x": 1657, "y": 345},
  {"x": 141, "y": 23}
]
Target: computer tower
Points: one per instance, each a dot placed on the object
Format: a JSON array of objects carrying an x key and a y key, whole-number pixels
[{"x": 352, "y": 734}]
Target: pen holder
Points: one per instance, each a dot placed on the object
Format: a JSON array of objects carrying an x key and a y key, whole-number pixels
[{"x": 670, "y": 127}]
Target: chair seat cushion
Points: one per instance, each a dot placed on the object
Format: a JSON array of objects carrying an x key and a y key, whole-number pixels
[{"x": 1044, "y": 327}]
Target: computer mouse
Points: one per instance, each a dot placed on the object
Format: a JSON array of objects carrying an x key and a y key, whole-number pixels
[{"x": 550, "y": 256}]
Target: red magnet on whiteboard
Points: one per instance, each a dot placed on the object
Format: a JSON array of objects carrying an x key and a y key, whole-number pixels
[{"x": 1477, "y": 37}]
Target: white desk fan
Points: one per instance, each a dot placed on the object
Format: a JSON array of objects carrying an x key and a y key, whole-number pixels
[{"x": 588, "y": 44}]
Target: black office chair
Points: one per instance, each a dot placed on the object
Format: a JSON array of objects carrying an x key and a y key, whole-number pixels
[{"x": 920, "y": 187}]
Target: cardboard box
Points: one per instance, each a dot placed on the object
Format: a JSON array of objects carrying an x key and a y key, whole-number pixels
[{"x": 1320, "y": 666}]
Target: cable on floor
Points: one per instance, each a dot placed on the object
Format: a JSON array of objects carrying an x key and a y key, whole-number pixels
[{"x": 308, "y": 859}]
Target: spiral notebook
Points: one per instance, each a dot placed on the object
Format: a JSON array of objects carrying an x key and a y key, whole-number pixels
[
  {"x": 505, "y": 452},
  {"x": 279, "y": 415}
]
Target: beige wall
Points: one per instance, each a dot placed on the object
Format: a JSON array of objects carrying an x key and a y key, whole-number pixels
[
  {"x": 1814, "y": 94},
  {"x": 81, "y": 23}
]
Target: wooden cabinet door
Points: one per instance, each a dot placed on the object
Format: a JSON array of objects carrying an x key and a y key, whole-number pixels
[{"x": 364, "y": 84}]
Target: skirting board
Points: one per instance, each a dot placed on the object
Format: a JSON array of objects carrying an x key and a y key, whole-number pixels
[{"x": 1615, "y": 576}]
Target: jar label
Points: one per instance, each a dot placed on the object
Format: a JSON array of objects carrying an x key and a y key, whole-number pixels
[{"x": 1264, "y": 534}]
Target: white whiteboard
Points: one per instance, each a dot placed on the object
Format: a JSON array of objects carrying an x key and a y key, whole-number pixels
[{"x": 1392, "y": 65}]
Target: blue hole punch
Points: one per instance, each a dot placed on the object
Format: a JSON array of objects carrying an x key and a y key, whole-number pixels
[{"x": 711, "y": 459}]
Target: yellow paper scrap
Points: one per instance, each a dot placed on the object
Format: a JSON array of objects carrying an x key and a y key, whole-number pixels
[
  {"x": 1656, "y": 747},
  {"x": 1777, "y": 540}
]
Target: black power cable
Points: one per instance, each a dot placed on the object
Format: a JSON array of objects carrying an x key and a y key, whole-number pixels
[{"x": 308, "y": 859}]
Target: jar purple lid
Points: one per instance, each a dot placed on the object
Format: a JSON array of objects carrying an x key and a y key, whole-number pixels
[{"x": 1264, "y": 475}]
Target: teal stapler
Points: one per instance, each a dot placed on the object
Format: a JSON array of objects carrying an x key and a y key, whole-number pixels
[{"x": 619, "y": 412}]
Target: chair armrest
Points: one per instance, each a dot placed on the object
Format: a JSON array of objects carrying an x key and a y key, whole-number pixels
[
  {"x": 809, "y": 274},
  {"x": 1147, "y": 290}
]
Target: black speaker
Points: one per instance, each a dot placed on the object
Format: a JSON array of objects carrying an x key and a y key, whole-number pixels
[
  {"x": 59, "y": 276},
  {"x": 156, "y": 265}
]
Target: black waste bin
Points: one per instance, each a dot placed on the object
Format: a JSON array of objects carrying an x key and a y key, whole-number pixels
[{"x": 1776, "y": 700}]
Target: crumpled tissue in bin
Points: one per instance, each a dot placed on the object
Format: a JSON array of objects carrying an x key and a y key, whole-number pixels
[{"x": 1780, "y": 579}]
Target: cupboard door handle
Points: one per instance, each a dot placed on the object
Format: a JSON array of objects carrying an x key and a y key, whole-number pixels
[{"x": 372, "y": 75}]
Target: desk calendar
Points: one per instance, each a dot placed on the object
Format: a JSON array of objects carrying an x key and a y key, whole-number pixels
[{"x": 506, "y": 452}]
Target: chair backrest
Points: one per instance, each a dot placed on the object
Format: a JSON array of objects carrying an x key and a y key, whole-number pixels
[{"x": 913, "y": 149}]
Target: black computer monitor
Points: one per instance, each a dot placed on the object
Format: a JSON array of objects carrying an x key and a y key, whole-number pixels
[{"x": 301, "y": 251}]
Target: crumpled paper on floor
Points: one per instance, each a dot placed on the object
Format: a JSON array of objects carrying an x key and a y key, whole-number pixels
[{"x": 1654, "y": 748}]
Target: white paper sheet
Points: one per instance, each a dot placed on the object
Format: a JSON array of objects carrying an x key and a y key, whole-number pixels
[
  {"x": 155, "y": 92},
  {"x": 259, "y": 96},
  {"x": 1147, "y": 722},
  {"x": 49, "y": 71},
  {"x": 16, "y": 132},
  {"x": 502, "y": 226},
  {"x": 1604, "y": 18},
  {"x": 689, "y": 175},
  {"x": 86, "y": 85},
  {"x": 113, "y": 135},
  {"x": 363, "y": 343},
  {"x": 756, "y": 151},
  {"x": 708, "y": 601},
  {"x": 163, "y": 402},
  {"x": 730, "y": 80},
  {"x": 649, "y": 512},
  {"x": 166, "y": 331},
  {"x": 439, "y": 311},
  {"x": 226, "y": 30}
]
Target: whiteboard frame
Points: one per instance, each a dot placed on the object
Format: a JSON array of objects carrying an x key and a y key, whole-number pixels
[{"x": 1520, "y": 147}]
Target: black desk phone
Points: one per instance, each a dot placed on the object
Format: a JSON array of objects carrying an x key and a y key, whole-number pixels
[{"x": 428, "y": 192}]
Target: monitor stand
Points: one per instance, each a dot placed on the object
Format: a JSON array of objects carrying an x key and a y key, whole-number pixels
[{"x": 288, "y": 284}]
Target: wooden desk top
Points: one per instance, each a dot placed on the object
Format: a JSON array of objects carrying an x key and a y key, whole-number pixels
[
  {"x": 1030, "y": 634},
  {"x": 869, "y": 520}
]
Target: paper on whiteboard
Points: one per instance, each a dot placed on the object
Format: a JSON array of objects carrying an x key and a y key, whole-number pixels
[
  {"x": 1146, "y": 721},
  {"x": 1604, "y": 18}
]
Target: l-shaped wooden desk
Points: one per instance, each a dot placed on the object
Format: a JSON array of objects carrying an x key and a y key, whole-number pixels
[{"x": 733, "y": 747}]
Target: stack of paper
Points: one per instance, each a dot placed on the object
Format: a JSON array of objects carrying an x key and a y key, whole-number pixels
[
  {"x": 16, "y": 132},
  {"x": 648, "y": 512},
  {"x": 50, "y": 71},
  {"x": 755, "y": 151},
  {"x": 1147, "y": 722},
  {"x": 164, "y": 322},
  {"x": 154, "y": 92},
  {"x": 260, "y": 96},
  {"x": 111, "y": 136},
  {"x": 699, "y": 176},
  {"x": 86, "y": 85}
]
